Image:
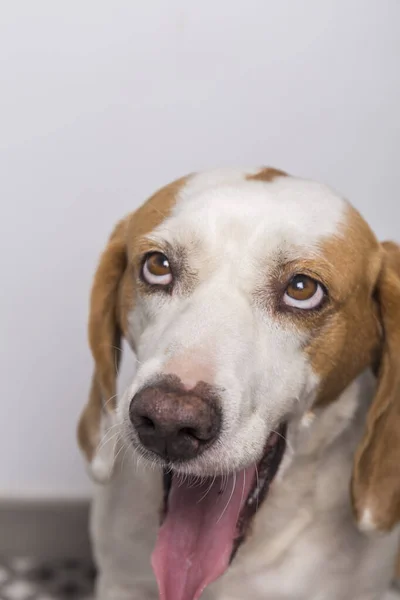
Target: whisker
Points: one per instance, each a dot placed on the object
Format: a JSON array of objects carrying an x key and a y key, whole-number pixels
[
  {"x": 139, "y": 361},
  {"x": 127, "y": 448},
  {"x": 289, "y": 445},
  {"x": 258, "y": 487},
  {"x": 224, "y": 480},
  {"x": 118, "y": 453},
  {"x": 196, "y": 481},
  {"x": 242, "y": 496},
  {"x": 116, "y": 347},
  {"x": 109, "y": 400},
  {"x": 230, "y": 497},
  {"x": 147, "y": 457},
  {"x": 243, "y": 488},
  {"x": 103, "y": 441},
  {"x": 208, "y": 489},
  {"x": 107, "y": 432},
  {"x": 112, "y": 427},
  {"x": 121, "y": 350}
]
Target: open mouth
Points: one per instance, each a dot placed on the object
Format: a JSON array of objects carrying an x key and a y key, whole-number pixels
[{"x": 204, "y": 523}]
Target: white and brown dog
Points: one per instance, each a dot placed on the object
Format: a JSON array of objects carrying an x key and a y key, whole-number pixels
[{"x": 261, "y": 432}]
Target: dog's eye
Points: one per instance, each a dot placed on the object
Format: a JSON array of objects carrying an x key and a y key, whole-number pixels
[
  {"x": 304, "y": 292},
  {"x": 156, "y": 269}
]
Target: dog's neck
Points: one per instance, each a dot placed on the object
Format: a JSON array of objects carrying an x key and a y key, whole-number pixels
[{"x": 319, "y": 429}]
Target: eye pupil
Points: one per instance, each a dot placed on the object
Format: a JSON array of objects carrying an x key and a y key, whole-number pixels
[
  {"x": 302, "y": 287},
  {"x": 158, "y": 264},
  {"x": 156, "y": 269},
  {"x": 160, "y": 261}
]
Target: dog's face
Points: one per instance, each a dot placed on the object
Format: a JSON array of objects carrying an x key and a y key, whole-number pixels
[
  {"x": 248, "y": 298},
  {"x": 240, "y": 288}
]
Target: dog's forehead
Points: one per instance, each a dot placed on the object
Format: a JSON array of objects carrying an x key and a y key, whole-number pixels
[{"x": 224, "y": 206}]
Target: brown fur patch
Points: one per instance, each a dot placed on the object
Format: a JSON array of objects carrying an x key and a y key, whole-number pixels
[
  {"x": 149, "y": 216},
  {"x": 363, "y": 330},
  {"x": 267, "y": 174},
  {"x": 111, "y": 300},
  {"x": 348, "y": 339}
]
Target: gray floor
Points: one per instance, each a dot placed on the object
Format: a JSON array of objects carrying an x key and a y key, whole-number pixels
[
  {"x": 25, "y": 579},
  {"x": 56, "y": 529}
]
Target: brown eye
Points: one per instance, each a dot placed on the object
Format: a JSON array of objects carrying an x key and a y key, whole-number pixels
[
  {"x": 303, "y": 292},
  {"x": 156, "y": 269}
]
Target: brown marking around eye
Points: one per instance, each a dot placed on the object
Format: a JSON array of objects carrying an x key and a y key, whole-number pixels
[
  {"x": 343, "y": 335},
  {"x": 142, "y": 222},
  {"x": 270, "y": 295},
  {"x": 348, "y": 339}
]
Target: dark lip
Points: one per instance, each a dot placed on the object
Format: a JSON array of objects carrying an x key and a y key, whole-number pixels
[
  {"x": 167, "y": 482},
  {"x": 267, "y": 468}
]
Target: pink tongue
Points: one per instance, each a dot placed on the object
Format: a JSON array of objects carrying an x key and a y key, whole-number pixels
[{"x": 196, "y": 540}]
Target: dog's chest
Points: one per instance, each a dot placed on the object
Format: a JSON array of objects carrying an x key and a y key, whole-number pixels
[
  {"x": 305, "y": 545},
  {"x": 300, "y": 573},
  {"x": 279, "y": 558},
  {"x": 305, "y": 521}
]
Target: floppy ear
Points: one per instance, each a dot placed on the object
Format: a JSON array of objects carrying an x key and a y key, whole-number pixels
[
  {"x": 95, "y": 436},
  {"x": 376, "y": 474}
]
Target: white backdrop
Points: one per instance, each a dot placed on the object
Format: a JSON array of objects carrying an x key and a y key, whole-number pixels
[{"x": 101, "y": 102}]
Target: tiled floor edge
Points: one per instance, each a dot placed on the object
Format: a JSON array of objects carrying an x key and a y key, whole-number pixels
[{"x": 44, "y": 529}]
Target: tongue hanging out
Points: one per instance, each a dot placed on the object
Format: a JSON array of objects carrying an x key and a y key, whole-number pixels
[
  {"x": 197, "y": 537},
  {"x": 205, "y": 523}
]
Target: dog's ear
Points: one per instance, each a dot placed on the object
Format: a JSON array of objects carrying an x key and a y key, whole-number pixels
[
  {"x": 376, "y": 473},
  {"x": 95, "y": 435}
]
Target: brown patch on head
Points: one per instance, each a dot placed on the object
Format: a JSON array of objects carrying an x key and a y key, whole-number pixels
[
  {"x": 348, "y": 338},
  {"x": 267, "y": 174},
  {"x": 112, "y": 298},
  {"x": 152, "y": 213}
]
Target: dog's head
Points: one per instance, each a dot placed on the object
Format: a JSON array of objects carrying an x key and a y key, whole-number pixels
[{"x": 248, "y": 298}]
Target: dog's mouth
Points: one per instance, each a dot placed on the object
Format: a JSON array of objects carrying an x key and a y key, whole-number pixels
[{"x": 205, "y": 523}]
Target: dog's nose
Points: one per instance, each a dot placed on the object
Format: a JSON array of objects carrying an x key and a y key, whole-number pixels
[{"x": 175, "y": 424}]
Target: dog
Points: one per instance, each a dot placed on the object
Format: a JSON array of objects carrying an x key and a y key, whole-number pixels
[{"x": 255, "y": 453}]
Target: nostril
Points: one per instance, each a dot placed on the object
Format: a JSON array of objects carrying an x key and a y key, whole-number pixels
[
  {"x": 147, "y": 423},
  {"x": 193, "y": 433},
  {"x": 189, "y": 431}
]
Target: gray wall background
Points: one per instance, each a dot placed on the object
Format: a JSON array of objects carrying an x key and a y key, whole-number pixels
[{"x": 101, "y": 102}]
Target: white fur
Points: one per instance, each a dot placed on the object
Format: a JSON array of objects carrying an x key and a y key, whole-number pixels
[
  {"x": 235, "y": 234},
  {"x": 366, "y": 523},
  {"x": 102, "y": 464}
]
